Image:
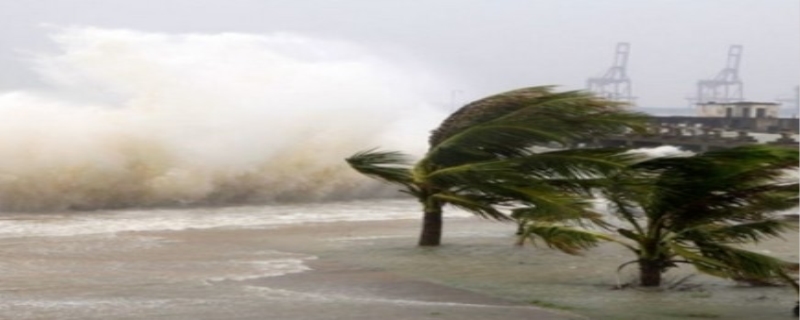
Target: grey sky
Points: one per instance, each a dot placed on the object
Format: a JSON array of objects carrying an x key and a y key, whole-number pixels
[{"x": 480, "y": 46}]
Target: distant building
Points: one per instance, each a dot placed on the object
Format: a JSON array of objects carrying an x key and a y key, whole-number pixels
[{"x": 742, "y": 109}]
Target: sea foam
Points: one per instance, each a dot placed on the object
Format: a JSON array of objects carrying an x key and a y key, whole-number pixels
[{"x": 135, "y": 119}]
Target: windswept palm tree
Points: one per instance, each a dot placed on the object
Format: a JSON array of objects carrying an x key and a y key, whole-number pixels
[
  {"x": 484, "y": 156},
  {"x": 700, "y": 210}
]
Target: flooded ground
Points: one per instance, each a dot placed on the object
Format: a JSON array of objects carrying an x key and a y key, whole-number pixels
[
  {"x": 481, "y": 258},
  {"x": 352, "y": 260}
]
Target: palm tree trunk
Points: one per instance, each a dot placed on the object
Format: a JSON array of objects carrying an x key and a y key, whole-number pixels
[
  {"x": 650, "y": 273},
  {"x": 431, "y": 234}
]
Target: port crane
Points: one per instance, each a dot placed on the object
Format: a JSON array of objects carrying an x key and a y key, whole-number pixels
[
  {"x": 615, "y": 83},
  {"x": 726, "y": 86}
]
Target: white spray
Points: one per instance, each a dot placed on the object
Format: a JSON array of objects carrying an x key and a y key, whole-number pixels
[{"x": 143, "y": 119}]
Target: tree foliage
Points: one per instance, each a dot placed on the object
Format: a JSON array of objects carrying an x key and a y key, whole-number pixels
[
  {"x": 489, "y": 155},
  {"x": 701, "y": 210}
]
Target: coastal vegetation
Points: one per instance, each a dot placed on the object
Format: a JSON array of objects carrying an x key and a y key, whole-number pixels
[
  {"x": 696, "y": 210},
  {"x": 484, "y": 157},
  {"x": 509, "y": 157}
]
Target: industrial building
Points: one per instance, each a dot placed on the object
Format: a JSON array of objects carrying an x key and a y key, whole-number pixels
[{"x": 739, "y": 109}]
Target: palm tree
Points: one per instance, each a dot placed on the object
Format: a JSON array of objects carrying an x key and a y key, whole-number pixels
[
  {"x": 700, "y": 210},
  {"x": 484, "y": 156}
]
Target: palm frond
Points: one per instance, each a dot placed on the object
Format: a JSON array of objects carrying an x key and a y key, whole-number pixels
[
  {"x": 702, "y": 263},
  {"x": 569, "y": 211},
  {"x": 480, "y": 205},
  {"x": 572, "y": 164},
  {"x": 565, "y": 239},
  {"x": 735, "y": 263},
  {"x": 695, "y": 207},
  {"x": 737, "y": 183},
  {"x": 486, "y": 109},
  {"x": 484, "y": 172},
  {"x": 627, "y": 195},
  {"x": 568, "y": 170},
  {"x": 389, "y": 166},
  {"x": 515, "y": 138},
  {"x": 749, "y": 232},
  {"x": 507, "y": 125}
]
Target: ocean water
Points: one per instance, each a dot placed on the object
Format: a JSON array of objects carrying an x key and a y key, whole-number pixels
[{"x": 77, "y": 223}]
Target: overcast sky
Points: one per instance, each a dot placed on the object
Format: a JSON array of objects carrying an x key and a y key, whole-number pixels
[{"x": 479, "y": 46}]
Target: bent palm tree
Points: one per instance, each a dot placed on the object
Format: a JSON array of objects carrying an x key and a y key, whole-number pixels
[
  {"x": 482, "y": 157},
  {"x": 700, "y": 209}
]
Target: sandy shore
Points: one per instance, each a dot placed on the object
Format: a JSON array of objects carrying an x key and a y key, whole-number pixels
[
  {"x": 478, "y": 264},
  {"x": 291, "y": 272},
  {"x": 375, "y": 292},
  {"x": 351, "y": 270}
]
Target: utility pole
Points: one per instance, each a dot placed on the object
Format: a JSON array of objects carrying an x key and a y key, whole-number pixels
[
  {"x": 726, "y": 86},
  {"x": 614, "y": 84}
]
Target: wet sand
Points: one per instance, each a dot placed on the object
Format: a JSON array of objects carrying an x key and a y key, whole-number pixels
[
  {"x": 379, "y": 294},
  {"x": 294, "y": 272},
  {"x": 478, "y": 263},
  {"x": 376, "y": 292},
  {"x": 350, "y": 270}
]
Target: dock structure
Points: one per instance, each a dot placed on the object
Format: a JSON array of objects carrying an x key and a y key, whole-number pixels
[
  {"x": 695, "y": 138},
  {"x": 723, "y": 118},
  {"x": 758, "y": 125}
]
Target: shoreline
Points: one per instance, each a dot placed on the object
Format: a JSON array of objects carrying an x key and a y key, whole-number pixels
[
  {"x": 355, "y": 270},
  {"x": 417, "y": 299},
  {"x": 478, "y": 257},
  {"x": 392, "y": 293}
]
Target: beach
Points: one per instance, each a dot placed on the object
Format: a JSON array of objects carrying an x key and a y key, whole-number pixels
[
  {"x": 365, "y": 269},
  {"x": 479, "y": 260},
  {"x": 67, "y": 267}
]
